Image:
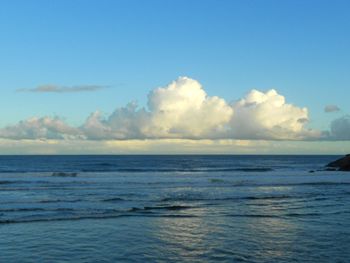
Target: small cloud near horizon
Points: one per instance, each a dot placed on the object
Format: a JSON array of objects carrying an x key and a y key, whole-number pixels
[
  {"x": 51, "y": 88},
  {"x": 331, "y": 108}
]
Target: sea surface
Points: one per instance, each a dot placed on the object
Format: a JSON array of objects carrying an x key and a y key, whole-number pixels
[{"x": 184, "y": 208}]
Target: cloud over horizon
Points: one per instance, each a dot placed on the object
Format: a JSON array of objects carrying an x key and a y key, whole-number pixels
[
  {"x": 51, "y": 88},
  {"x": 183, "y": 110}
]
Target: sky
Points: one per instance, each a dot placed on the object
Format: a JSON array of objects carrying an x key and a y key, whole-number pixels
[{"x": 174, "y": 76}]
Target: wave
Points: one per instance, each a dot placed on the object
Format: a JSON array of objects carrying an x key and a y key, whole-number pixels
[
  {"x": 188, "y": 198},
  {"x": 192, "y": 170},
  {"x": 23, "y": 182},
  {"x": 171, "y": 207},
  {"x": 22, "y": 210},
  {"x": 60, "y": 201},
  {"x": 46, "y": 187},
  {"x": 322, "y": 183},
  {"x": 145, "y": 170},
  {"x": 113, "y": 199},
  {"x": 316, "y": 196},
  {"x": 93, "y": 211},
  {"x": 36, "y": 209},
  {"x": 145, "y": 212},
  {"x": 287, "y": 215},
  {"x": 104, "y": 164},
  {"x": 14, "y": 171},
  {"x": 286, "y": 184},
  {"x": 7, "y": 182}
]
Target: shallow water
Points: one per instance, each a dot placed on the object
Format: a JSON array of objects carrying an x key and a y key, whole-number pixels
[{"x": 173, "y": 209}]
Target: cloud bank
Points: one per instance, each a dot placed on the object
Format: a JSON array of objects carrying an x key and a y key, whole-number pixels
[
  {"x": 40, "y": 128},
  {"x": 50, "y": 88},
  {"x": 183, "y": 110}
]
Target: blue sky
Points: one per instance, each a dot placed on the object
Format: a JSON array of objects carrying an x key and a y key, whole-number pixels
[{"x": 299, "y": 48}]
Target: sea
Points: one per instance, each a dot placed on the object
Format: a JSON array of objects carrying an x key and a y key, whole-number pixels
[{"x": 173, "y": 208}]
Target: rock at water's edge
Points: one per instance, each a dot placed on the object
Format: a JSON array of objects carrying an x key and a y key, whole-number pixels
[{"x": 342, "y": 164}]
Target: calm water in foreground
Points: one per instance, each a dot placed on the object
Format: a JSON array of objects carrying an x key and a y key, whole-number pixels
[{"x": 173, "y": 209}]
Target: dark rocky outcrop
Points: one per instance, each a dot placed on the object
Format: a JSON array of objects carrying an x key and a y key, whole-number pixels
[
  {"x": 342, "y": 164},
  {"x": 63, "y": 174}
]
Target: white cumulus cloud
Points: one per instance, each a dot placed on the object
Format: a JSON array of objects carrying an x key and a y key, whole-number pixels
[
  {"x": 184, "y": 110},
  {"x": 124, "y": 123},
  {"x": 267, "y": 116}
]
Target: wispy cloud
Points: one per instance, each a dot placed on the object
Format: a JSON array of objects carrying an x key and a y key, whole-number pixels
[
  {"x": 51, "y": 88},
  {"x": 331, "y": 108}
]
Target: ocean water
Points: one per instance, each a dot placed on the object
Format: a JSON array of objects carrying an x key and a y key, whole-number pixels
[{"x": 173, "y": 209}]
